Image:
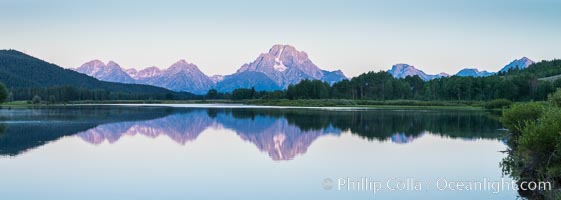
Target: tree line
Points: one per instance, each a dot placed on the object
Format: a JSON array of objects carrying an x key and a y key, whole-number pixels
[{"x": 59, "y": 94}]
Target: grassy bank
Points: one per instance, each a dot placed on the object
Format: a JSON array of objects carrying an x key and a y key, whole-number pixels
[{"x": 17, "y": 104}]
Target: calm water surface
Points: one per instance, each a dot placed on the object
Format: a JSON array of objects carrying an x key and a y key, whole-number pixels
[{"x": 238, "y": 152}]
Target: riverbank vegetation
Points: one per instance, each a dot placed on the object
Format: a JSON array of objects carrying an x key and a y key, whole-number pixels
[{"x": 535, "y": 144}]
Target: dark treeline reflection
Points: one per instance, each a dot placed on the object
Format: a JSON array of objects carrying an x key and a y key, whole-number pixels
[
  {"x": 282, "y": 133},
  {"x": 383, "y": 124},
  {"x": 22, "y": 129}
]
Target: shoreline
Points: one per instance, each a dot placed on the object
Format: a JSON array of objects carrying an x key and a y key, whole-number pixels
[{"x": 308, "y": 103}]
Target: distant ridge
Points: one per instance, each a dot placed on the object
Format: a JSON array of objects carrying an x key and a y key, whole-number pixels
[{"x": 405, "y": 70}]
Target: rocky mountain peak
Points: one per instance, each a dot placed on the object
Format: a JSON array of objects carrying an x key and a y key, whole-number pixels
[
  {"x": 182, "y": 65},
  {"x": 148, "y": 72},
  {"x": 281, "y": 66},
  {"x": 521, "y": 63},
  {"x": 106, "y": 72},
  {"x": 112, "y": 63},
  {"x": 94, "y": 62},
  {"x": 403, "y": 70}
]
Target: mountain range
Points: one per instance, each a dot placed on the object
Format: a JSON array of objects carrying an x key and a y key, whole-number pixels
[
  {"x": 181, "y": 76},
  {"x": 277, "y": 69},
  {"x": 404, "y": 70}
]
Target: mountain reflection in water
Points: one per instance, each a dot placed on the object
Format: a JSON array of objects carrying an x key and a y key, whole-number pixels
[{"x": 282, "y": 133}]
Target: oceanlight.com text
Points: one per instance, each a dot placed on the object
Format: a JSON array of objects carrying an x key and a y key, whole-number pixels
[{"x": 368, "y": 184}]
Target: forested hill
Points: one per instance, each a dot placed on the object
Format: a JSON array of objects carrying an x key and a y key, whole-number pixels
[
  {"x": 19, "y": 70},
  {"x": 541, "y": 69}
]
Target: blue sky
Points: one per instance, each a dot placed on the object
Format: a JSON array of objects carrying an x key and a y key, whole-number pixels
[{"x": 220, "y": 36}]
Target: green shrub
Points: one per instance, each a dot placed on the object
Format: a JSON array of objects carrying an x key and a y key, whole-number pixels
[
  {"x": 498, "y": 104},
  {"x": 516, "y": 117},
  {"x": 535, "y": 148},
  {"x": 555, "y": 98},
  {"x": 541, "y": 139}
]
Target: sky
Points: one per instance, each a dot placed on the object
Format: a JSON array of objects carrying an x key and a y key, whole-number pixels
[{"x": 219, "y": 36}]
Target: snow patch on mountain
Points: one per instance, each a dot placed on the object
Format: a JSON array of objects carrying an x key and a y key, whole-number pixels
[
  {"x": 279, "y": 66},
  {"x": 216, "y": 78}
]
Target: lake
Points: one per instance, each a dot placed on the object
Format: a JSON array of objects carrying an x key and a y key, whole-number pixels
[{"x": 249, "y": 152}]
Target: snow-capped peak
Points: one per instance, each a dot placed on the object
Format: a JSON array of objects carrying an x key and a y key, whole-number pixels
[{"x": 281, "y": 66}]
